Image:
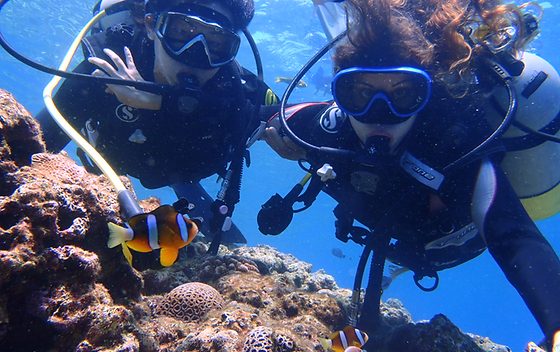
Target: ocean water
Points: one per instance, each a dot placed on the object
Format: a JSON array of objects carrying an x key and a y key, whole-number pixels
[{"x": 475, "y": 296}]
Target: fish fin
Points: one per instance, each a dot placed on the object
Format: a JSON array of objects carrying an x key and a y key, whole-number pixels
[
  {"x": 395, "y": 270},
  {"x": 168, "y": 255},
  {"x": 327, "y": 344},
  {"x": 127, "y": 253},
  {"x": 118, "y": 235}
]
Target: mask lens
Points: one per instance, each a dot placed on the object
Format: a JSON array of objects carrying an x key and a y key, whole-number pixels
[
  {"x": 179, "y": 32},
  {"x": 405, "y": 90},
  {"x": 501, "y": 40}
]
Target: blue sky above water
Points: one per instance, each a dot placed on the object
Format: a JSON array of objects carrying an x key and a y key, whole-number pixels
[{"x": 476, "y": 295}]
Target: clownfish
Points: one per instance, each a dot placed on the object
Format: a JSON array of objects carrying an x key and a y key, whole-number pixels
[
  {"x": 343, "y": 340},
  {"x": 353, "y": 349},
  {"x": 162, "y": 228}
]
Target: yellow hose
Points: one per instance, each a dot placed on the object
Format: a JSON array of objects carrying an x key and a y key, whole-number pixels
[{"x": 65, "y": 126}]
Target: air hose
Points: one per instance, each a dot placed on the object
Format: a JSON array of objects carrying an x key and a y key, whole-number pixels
[{"x": 127, "y": 202}]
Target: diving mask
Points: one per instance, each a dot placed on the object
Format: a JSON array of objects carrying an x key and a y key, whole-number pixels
[
  {"x": 382, "y": 95},
  {"x": 195, "y": 41}
]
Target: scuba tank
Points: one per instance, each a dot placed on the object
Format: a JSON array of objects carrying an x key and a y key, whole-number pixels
[{"x": 532, "y": 161}]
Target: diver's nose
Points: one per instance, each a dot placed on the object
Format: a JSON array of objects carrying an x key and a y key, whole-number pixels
[{"x": 380, "y": 108}]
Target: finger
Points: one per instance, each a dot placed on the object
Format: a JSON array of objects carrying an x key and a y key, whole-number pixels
[
  {"x": 99, "y": 73},
  {"x": 272, "y": 137},
  {"x": 104, "y": 65},
  {"x": 532, "y": 347},
  {"x": 279, "y": 145},
  {"x": 290, "y": 143},
  {"x": 296, "y": 152},
  {"x": 116, "y": 59},
  {"x": 129, "y": 59}
]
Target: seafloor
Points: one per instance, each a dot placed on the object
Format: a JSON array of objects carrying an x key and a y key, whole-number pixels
[{"x": 62, "y": 289}]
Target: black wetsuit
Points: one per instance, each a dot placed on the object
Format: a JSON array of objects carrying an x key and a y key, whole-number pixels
[
  {"x": 436, "y": 227},
  {"x": 163, "y": 147}
]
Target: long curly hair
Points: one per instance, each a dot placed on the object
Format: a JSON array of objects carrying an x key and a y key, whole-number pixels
[{"x": 435, "y": 35}]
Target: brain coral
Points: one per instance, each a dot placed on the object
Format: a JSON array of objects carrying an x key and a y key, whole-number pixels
[
  {"x": 259, "y": 340},
  {"x": 190, "y": 301}
]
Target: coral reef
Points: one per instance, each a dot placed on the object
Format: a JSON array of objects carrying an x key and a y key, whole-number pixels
[
  {"x": 190, "y": 301},
  {"x": 62, "y": 289}
]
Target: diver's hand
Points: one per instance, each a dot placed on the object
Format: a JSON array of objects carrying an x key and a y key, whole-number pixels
[
  {"x": 283, "y": 145},
  {"x": 126, "y": 95},
  {"x": 533, "y": 347}
]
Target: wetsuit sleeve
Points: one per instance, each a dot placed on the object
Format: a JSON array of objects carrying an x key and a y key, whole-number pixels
[
  {"x": 257, "y": 91},
  {"x": 525, "y": 256},
  {"x": 74, "y": 101}
]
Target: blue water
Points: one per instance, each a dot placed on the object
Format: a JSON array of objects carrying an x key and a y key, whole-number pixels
[{"x": 476, "y": 296}]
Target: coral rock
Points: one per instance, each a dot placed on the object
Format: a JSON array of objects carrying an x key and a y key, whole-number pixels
[
  {"x": 190, "y": 301},
  {"x": 20, "y": 134},
  {"x": 215, "y": 267},
  {"x": 210, "y": 340}
]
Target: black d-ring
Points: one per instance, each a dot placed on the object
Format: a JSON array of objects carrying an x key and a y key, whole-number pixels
[{"x": 417, "y": 279}]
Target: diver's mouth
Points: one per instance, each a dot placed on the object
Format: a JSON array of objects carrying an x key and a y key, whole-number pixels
[{"x": 381, "y": 134}]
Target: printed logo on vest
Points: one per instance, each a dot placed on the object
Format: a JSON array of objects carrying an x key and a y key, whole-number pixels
[
  {"x": 126, "y": 113},
  {"x": 421, "y": 172},
  {"x": 332, "y": 119},
  {"x": 457, "y": 238},
  {"x": 364, "y": 182}
]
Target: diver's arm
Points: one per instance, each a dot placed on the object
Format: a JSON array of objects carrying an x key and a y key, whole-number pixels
[
  {"x": 525, "y": 256},
  {"x": 127, "y": 95}
]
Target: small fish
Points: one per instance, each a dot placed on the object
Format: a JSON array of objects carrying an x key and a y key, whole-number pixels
[
  {"x": 321, "y": 81},
  {"x": 162, "y": 228},
  {"x": 300, "y": 84},
  {"x": 337, "y": 252},
  {"x": 348, "y": 337}
]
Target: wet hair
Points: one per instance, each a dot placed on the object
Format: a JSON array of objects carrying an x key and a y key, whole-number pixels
[
  {"x": 242, "y": 10},
  {"x": 434, "y": 35}
]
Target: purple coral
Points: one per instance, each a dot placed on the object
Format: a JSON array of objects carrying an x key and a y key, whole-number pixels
[{"x": 189, "y": 302}]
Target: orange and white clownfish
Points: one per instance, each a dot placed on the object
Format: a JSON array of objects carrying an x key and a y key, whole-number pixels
[
  {"x": 342, "y": 340},
  {"x": 162, "y": 228}
]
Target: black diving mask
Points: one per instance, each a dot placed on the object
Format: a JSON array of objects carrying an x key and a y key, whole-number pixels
[
  {"x": 382, "y": 95},
  {"x": 195, "y": 41}
]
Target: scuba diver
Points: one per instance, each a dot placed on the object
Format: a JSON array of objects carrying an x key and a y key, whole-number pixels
[
  {"x": 436, "y": 113},
  {"x": 178, "y": 138}
]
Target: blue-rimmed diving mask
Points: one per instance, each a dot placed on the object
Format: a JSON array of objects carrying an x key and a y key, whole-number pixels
[
  {"x": 195, "y": 41},
  {"x": 382, "y": 95}
]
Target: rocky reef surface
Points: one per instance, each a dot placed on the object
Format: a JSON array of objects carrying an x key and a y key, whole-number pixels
[{"x": 62, "y": 289}]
